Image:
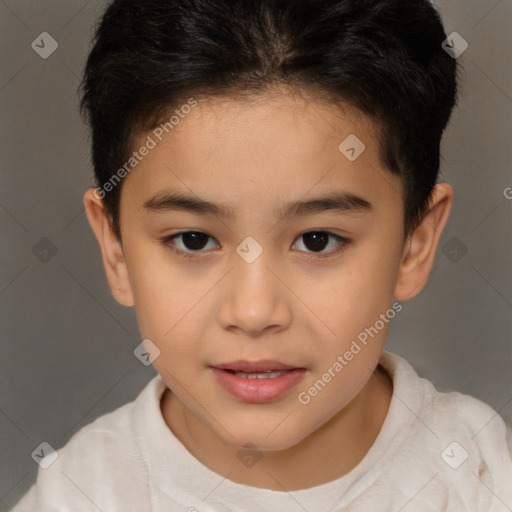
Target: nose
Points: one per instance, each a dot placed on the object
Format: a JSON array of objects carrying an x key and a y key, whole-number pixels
[{"x": 254, "y": 298}]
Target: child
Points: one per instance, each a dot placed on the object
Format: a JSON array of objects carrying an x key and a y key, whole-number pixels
[{"x": 298, "y": 141}]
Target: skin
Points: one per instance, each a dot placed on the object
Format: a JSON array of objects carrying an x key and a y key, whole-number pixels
[{"x": 290, "y": 305}]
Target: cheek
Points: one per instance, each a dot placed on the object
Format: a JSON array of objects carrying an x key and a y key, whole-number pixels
[
  {"x": 358, "y": 292},
  {"x": 165, "y": 291},
  {"x": 351, "y": 304},
  {"x": 167, "y": 314}
]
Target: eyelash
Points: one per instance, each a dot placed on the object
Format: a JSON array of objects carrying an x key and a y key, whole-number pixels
[{"x": 168, "y": 242}]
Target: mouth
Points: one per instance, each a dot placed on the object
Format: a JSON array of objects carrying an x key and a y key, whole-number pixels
[
  {"x": 269, "y": 374},
  {"x": 262, "y": 366},
  {"x": 257, "y": 381}
]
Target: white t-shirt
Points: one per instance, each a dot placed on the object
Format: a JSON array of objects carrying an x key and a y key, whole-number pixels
[{"x": 435, "y": 452}]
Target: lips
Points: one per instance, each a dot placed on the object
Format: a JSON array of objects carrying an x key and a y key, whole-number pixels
[{"x": 257, "y": 381}]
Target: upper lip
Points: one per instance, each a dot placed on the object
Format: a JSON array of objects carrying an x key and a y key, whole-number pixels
[{"x": 255, "y": 366}]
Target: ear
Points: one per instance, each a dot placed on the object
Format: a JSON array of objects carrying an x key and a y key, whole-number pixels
[
  {"x": 111, "y": 248},
  {"x": 421, "y": 246}
]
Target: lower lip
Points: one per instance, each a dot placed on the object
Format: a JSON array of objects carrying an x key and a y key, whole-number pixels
[{"x": 258, "y": 390}]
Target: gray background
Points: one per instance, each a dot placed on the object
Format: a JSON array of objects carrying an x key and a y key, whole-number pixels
[{"x": 67, "y": 346}]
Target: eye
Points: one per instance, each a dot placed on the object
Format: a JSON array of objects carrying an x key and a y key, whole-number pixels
[
  {"x": 192, "y": 242},
  {"x": 316, "y": 241}
]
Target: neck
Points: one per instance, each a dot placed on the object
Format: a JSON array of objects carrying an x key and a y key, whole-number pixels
[{"x": 360, "y": 420}]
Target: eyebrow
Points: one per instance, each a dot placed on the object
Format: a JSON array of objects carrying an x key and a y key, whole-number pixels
[{"x": 341, "y": 202}]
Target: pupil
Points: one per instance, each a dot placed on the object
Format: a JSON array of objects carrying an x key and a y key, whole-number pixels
[
  {"x": 194, "y": 240},
  {"x": 316, "y": 240}
]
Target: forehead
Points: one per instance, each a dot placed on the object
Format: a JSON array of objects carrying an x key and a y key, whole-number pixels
[
  {"x": 260, "y": 150},
  {"x": 283, "y": 123}
]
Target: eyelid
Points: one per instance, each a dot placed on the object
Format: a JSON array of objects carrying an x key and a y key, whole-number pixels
[
  {"x": 167, "y": 241},
  {"x": 342, "y": 241}
]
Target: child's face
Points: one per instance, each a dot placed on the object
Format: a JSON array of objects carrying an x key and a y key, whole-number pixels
[{"x": 290, "y": 304}]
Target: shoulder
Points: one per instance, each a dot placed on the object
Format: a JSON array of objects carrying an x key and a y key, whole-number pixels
[
  {"x": 101, "y": 464},
  {"x": 474, "y": 445},
  {"x": 464, "y": 416},
  {"x": 458, "y": 438},
  {"x": 447, "y": 413},
  {"x": 100, "y": 444}
]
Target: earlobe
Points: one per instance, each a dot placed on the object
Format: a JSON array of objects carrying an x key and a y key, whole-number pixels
[
  {"x": 111, "y": 249},
  {"x": 421, "y": 246}
]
